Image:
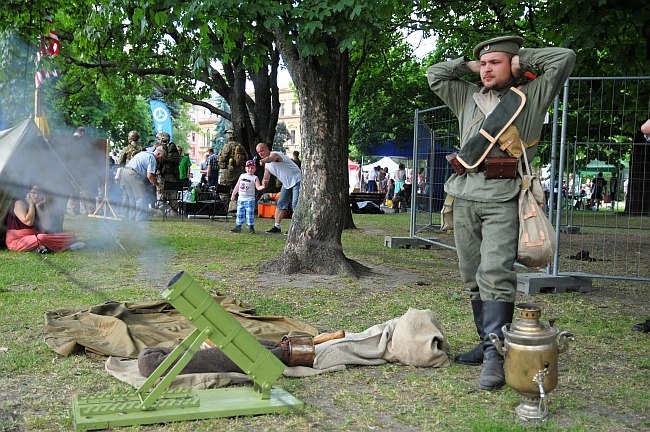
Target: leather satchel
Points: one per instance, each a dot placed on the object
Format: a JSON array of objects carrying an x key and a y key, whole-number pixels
[{"x": 477, "y": 147}]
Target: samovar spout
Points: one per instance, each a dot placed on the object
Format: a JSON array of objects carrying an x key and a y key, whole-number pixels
[{"x": 539, "y": 380}]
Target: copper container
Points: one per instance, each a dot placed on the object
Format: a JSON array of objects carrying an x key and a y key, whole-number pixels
[
  {"x": 297, "y": 350},
  {"x": 531, "y": 350}
]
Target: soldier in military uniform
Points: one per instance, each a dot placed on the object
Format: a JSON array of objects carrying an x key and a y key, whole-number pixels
[
  {"x": 131, "y": 149},
  {"x": 485, "y": 210},
  {"x": 168, "y": 170},
  {"x": 127, "y": 153},
  {"x": 232, "y": 161}
]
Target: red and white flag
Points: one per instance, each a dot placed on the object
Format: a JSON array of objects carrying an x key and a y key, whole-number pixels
[{"x": 48, "y": 47}]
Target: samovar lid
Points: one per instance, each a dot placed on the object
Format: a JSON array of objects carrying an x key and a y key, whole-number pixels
[
  {"x": 528, "y": 322},
  {"x": 529, "y": 311}
]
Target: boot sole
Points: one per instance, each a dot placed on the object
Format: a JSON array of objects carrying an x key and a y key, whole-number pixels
[
  {"x": 467, "y": 363},
  {"x": 497, "y": 387}
]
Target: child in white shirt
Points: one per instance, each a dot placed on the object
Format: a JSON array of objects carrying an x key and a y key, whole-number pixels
[{"x": 246, "y": 187}]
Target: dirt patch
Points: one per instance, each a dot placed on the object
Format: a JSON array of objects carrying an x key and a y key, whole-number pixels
[{"x": 377, "y": 278}]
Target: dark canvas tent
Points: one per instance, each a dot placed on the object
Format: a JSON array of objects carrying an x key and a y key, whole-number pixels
[{"x": 27, "y": 159}]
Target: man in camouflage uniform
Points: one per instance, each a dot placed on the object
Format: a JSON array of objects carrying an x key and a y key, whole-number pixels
[
  {"x": 131, "y": 149},
  {"x": 127, "y": 153},
  {"x": 232, "y": 161},
  {"x": 168, "y": 170}
]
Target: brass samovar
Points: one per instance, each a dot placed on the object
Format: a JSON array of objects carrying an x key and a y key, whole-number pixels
[{"x": 531, "y": 351}]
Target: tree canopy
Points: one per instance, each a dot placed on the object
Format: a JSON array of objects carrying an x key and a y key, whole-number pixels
[
  {"x": 388, "y": 88},
  {"x": 341, "y": 54}
]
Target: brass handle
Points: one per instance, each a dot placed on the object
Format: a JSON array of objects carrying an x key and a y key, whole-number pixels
[
  {"x": 497, "y": 344},
  {"x": 563, "y": 342}
]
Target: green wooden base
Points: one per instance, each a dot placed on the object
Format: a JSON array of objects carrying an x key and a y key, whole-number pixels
[{"x": 123, "y": 409}]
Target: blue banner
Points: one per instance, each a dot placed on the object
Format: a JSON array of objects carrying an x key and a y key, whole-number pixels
[{"x": 162, "y": 120}]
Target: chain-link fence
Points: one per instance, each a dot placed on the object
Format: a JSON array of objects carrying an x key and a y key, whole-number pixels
[{"x": 594, "y": 164}]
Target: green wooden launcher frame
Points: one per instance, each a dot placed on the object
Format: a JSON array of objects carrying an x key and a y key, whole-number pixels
[{"x": 158, "y": 404}]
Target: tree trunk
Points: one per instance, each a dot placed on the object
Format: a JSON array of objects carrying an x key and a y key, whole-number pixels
[
  {"x": 314, "y": 241},
  {"x": 638, "y": 191},
  {"x": 266, "y": 107},
  {"x": 253, "y": 120}
]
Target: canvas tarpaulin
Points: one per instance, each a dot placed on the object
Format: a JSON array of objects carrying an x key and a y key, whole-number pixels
[
  {"x": 413, "y": 339},
  {"x": 122, "y": 329}
]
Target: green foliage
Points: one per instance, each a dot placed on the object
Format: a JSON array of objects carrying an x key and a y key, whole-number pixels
[
  {"x": 389, "y": 86},
  {"x": 316, "y": 27},
  {"x": 281, "y": 136},
  {"x": 610, "y": 37},
  {"x": 182, "y": 125},
  {"x": 16, "y": 75}
]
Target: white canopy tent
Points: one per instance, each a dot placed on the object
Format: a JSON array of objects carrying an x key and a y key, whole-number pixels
[{"x": 383, "y": 162}]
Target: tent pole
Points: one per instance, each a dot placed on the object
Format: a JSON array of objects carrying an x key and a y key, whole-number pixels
[{"x": 105, "y": 205}]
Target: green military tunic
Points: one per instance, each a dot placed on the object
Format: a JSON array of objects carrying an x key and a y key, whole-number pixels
[
  {"x": 128, "y": 152},
  {"x": 555, "y": 64},
  {"x": 486, "y": 223},
  {"x": 232, "y": 162}
]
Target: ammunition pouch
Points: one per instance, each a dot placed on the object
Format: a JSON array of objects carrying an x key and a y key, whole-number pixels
[
  {"x": 452, "y": 158},
  {"x": 511, "y": 143},
  {"x": 500, "y": 167}
]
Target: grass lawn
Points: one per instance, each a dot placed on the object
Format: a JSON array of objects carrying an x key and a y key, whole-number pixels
[{"x": 604, "y": 376}]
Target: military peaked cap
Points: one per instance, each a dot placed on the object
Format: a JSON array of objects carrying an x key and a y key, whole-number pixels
[{"x": 507, "y": 44}]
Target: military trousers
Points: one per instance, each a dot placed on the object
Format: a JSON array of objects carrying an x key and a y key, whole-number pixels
[{"x": 486, "y": 236}]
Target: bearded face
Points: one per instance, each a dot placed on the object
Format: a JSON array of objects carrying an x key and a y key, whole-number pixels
[{"x": 495, "y": 70}]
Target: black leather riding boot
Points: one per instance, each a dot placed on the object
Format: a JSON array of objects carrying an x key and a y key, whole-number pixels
[
  {"x": 495, "y": 315},
  {"x": 475, "y": 356}
]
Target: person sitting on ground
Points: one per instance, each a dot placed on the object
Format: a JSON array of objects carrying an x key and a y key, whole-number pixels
[
  {"x": 402, "y": 198},
  {"x": 246, "y": 187},
  {"x": 28, "y": 222}
]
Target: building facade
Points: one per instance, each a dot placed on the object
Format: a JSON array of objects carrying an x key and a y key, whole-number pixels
[
  {"x": 201, "y": 141},
  {"x": 290, "y": 116}
]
